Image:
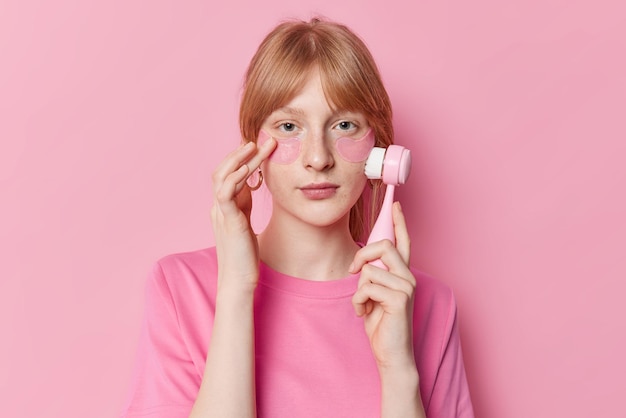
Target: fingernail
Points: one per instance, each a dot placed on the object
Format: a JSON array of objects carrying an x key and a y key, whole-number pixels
[
  {"x": 269, "y": 141},
  {"x": 351, "y": 268}
]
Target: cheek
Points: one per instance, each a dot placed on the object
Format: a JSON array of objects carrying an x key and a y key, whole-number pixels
[
  {"x": 286, "y": 151},
  {"x": 356, "y": 180},
  {"x": 355, "y": 151},
  {"x": 276, "y": 176}
]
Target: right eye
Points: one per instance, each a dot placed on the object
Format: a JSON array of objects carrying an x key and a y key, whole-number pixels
[{"x": 287, "y": 127}]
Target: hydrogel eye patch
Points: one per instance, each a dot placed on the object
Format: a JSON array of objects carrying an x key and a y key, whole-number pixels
[
  {"x": 350, "y": 149},
  {"x": 355, "y": 150},
  {"x": 286, "y": 151}
]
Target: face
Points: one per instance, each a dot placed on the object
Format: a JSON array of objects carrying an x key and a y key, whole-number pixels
[{"x": 316, "y": 174}]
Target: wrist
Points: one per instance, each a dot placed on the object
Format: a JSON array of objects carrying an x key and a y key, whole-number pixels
[
  {"x": 398, "y": 377},
  {"x": 235, "y": 285},
  {"x": 400, "y": 393},
  {"x": 239, "y": 296}
]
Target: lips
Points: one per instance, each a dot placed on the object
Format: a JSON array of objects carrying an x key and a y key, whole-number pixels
[{"x": 318, "y": 191}]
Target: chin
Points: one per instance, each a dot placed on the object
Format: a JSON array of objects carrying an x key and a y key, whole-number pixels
[{"x": 326, "y": 219}]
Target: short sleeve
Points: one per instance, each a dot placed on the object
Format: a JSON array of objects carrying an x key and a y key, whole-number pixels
[
  {"x": 165, "y": 382},
  {"x": 450, "y": 396}
]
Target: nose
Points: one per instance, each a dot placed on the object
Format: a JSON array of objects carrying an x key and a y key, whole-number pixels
[{"x": 316, "y": 152}]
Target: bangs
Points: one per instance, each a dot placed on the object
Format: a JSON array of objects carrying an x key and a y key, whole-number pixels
[
  {"x": 351, "y": 84},
  {"x": 274, "y": 78},
  {"x": 344, "y": 92}
]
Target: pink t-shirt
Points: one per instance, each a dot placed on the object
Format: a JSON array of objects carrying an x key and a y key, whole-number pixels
[{"x": 313, "y": 358}]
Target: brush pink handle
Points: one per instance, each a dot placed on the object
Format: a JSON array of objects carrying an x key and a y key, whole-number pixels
[{"x": 383, "y": 228}]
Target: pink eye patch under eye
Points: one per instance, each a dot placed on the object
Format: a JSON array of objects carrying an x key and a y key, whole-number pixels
[
  {"x": 356, "y": 150},
  {"x": 286, "y": 151},
  {"x": 351, "y": 150}
]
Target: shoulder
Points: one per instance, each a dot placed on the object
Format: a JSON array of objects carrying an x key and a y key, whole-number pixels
[
  {"x": 431, "y": 290},
  {"x": 181, "y": 274},
  {"x": 435, "y": 306},
  {"x": 198, "y": 261}
]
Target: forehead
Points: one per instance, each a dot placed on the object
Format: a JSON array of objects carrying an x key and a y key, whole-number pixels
[
  {"x": 329, "y": 89},
  {"x": 309, "y": 90}
]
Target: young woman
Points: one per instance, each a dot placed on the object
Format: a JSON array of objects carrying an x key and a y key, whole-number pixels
[{"x": 295, "y": 322}]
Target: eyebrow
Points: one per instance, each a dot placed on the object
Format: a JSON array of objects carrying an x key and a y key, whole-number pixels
[
  {"x": 296, "y": 111},
  {"x": 291, "y": 110}
]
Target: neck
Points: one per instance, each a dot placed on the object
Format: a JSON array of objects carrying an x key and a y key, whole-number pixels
[{"x": 307, "y": 251}]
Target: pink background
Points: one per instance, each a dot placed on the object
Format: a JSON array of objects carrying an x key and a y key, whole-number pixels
[{"x": 113, "y": 114}]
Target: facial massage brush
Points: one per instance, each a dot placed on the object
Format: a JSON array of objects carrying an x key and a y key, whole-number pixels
[{"x": 393, "y": 166}]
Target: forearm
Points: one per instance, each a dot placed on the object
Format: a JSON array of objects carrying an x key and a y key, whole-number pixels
[
  {"x": 400, "y": 394},
  {"x": 228, "y": 385}
]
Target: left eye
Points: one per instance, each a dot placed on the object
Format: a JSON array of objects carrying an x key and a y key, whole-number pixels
[{"x": 345, "y": 125}]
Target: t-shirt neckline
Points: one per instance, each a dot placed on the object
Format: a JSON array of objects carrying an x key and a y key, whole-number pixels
[{"x": 330, "y": 289}]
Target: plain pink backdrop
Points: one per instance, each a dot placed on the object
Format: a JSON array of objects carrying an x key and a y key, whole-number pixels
[{"x": 113, "y": 114}]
